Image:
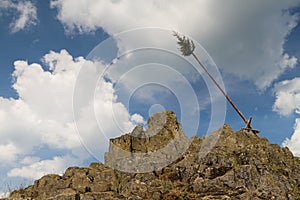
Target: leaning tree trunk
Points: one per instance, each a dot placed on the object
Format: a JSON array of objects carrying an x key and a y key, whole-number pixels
[{"x": 187, "y": 48}]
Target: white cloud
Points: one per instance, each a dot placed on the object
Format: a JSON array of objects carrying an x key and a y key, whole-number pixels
[
  {"x": 137, "y": 119},
  {"x": 287, "y": 97},
  {"x": 29, "y": 160},
  {"x": 8, "y": 153},
  {"x": 42, "y": 115},
  {"x": 26, "y": 11},
  {"x": 288, "y": 102},
  {"x": 244, "y": 38},
  {"x": 38, "y": 169},
  {"x": 294, "y": 142},
  {"x": 16, "y": 130}
]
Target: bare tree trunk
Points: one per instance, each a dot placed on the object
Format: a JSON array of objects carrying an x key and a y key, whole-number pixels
[
  {"x": 187, "y": 48},
  {"x": 248, "y": 125}
]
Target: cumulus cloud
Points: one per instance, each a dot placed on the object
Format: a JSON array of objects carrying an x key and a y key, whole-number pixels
[
  {"x": 42, "y": 115},
  {"x": 38, "y": 169},
  {"x": 288, "y": 102},
  {"x": 244, "y": 38},
  {"x": 138, "y": 119},
  {"x": 26, "y": 11},
  {"x": 287, "y": 94},
  {"x": 8, "y": 153},
  {"x": 294, "y": 142}
]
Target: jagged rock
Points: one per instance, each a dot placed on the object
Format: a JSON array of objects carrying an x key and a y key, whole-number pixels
[
  {"x": 225, "y": 165},
  {"x": 147, "y": 151}
]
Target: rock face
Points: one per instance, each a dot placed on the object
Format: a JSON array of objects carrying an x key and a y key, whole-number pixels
[
  {"x": 238, "y": 165},
  {"x": 146, "y": 151}
]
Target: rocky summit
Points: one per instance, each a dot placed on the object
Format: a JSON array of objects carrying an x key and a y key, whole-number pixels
[{"x": 161, "y": 163}]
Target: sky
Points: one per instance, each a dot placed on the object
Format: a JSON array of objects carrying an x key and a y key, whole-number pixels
[{"x": 75, "y": 73}]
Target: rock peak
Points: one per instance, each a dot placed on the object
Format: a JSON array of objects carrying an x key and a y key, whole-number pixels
[
  {"x": 160, "y": 163},
  {"x": 147, "y": 150}
]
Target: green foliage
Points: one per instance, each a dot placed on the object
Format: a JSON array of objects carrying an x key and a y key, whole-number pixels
[
  {"x": 116, "y": 190},
  {"x": 186, "y": 45},
  {"x": 297, "y": 197},
  {"x": 274, "y": 167},
  {"x": 186, "y": 196},
  {"x": 297, "y": 192},
  {"x": 117, "y": 173},
  {"x": 277, "y": 168},
  {"x": 168, "y": 186}
]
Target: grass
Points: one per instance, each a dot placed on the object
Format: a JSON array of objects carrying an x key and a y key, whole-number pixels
[{"x": 186, "y": 196}]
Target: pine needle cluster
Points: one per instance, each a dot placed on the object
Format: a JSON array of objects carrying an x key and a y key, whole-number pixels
[{"x": 186, "y": 45}]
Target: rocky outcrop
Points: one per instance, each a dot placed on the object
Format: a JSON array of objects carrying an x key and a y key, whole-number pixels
[
  {"x": 146, "y": 151},
  {"x": 225, "y": 165}
]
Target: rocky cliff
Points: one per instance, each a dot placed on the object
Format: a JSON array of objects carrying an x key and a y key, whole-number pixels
[{"x": 161, "y": 163}]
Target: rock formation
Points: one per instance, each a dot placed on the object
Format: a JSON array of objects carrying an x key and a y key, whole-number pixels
[
  {"x": 225, "y": 165},
  {"x": 146, "y": 151}
]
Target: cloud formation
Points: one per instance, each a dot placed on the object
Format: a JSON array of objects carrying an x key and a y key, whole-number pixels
[
  {"x": 287, "y": 97},
  {"x": 293, "y": 143},
  {"x": 287, "y": 103},
  {"x": 244, "y": 38},
  {"x": 38, "y": 169},
  {"x": 26, "y": 12},
  {"x": 42, "y": 116}
]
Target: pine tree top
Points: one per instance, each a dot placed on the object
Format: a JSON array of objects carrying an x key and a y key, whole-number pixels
[{"x": 186, "y": 45}]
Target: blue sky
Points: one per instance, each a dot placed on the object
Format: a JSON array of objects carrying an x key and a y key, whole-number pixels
[{"x": 50, "y": 90}]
